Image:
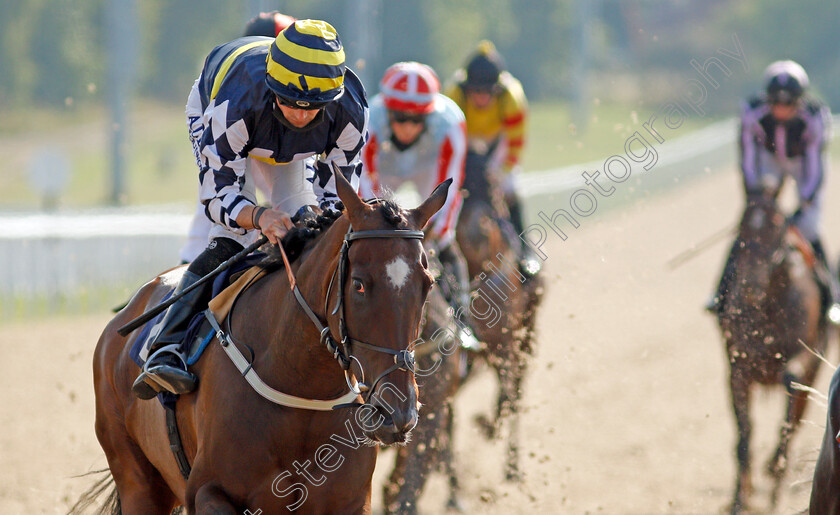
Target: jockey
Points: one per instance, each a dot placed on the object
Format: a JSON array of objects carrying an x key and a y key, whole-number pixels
[
  {"x": 267, "y": 24},
  {"x": 418, "y": 136},
  {"x": 274, "y": 103},
  {"x": 784, "y": 134},
  {"x": 495, "y": 107}
]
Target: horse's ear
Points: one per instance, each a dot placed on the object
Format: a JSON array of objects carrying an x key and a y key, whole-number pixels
[
  {"x": 431, "y": 205},
  {"x": 347, "y": 194}
]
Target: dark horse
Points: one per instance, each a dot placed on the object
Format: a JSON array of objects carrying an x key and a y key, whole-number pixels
[
  {"x": 440, "y": 360},
  {"x": 825, "y": 490},
  {"x": 504, "y": 301},
  {"x": 248, "y": 453},
  {"x": 502, "y": 315},
  {"x": 771, "y": 313}
]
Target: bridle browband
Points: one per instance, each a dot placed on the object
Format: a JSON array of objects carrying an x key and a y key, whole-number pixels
[{"x": 341, "y": 351}]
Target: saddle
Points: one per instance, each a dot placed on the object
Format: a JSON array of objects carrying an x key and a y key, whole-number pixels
[{"x": 199, "y": 333}]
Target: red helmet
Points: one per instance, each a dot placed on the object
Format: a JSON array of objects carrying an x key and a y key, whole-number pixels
[
  {"x": 268, "y": 24},
  {"x": 410, "y": 87}
]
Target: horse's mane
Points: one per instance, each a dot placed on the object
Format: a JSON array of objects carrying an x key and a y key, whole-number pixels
[{"x": 299, "y": 238}]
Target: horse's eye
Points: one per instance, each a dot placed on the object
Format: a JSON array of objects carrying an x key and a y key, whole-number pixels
[{"x": 358, "y": 286}]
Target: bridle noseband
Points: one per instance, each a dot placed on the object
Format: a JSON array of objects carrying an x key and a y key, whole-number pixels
[{"x": 403, "y": 359}]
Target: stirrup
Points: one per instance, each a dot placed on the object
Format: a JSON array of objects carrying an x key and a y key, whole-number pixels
[
  {"x": 529, "y": 266},
  {"x": 177, "y": 380},
  {"x": 145, "y": 387},
  {"x": 713, "y": 305},
  {"x": 833, "y": 314},
  {"x": 468, "y": 341}
]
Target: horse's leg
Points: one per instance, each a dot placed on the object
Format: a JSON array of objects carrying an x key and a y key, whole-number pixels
[
  {"x": 797, "y": 401},
  {"x": 140, "y": 487},
  {"x": 499, "y": 362},
  {"x": 210, "y": 499},
  {"x": 392, "y": 487},
  {"x": 512, "y": 472},
  {"x": 420, "y": 457},
  {"x": 447, "y": 460},
  {"x": 740, "y": 390}
]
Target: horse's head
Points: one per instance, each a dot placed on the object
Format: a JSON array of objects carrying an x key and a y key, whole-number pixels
[
  {"x": 383, "y": 281},
  {"x": 760, "y": 248},
  {"x": 476, "y": 181}
]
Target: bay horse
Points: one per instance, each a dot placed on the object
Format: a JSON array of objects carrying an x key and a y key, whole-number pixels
[
  {"x": 247, "y": 453},
  {"x": 504, "y": 301},
  {"x": 771, "y": 313}
]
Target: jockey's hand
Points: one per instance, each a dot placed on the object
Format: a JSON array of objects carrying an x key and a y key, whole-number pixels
[{"x": 275, "y": 224}]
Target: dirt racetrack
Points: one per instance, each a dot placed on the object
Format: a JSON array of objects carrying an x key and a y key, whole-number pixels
[{"x": 627, "y": 409}]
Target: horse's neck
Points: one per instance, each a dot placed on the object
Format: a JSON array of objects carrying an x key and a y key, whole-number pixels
[
  {"x": 780, "y": 277},
  {"x": 294, "y": 353}
]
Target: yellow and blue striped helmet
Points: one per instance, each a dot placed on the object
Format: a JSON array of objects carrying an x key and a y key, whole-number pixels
[{"x": 305, "y": 66}]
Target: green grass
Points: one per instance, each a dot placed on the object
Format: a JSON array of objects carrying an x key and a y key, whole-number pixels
[
  {"x": 555, "y": 140},
  {"x": 102, "y": 299},
  {"x": 161, "y": 168}
]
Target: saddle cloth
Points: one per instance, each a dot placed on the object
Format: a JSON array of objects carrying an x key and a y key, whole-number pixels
[{"x": 198, "y": 335}]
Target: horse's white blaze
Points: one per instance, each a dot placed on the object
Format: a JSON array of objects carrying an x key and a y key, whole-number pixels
[{"x": 397, "y": 271}]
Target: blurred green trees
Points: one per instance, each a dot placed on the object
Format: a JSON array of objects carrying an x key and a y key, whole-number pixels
[{"x": 52, "y": 52}]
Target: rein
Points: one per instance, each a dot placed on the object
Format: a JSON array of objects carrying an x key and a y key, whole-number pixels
[{"x": 403, "y": 359}]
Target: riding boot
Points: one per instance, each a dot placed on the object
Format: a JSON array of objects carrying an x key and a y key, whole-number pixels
[
  {"x": 529, "y": 262},
  {"x": 165, "y": 368},
  {"x": 829, "y": 288},
  {"x": 716, "y": 303}
]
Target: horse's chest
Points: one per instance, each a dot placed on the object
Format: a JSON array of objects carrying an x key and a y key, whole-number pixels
[{"x": 765, "y": 354}]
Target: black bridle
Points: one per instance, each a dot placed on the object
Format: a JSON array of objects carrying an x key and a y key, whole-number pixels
[{"x": 342, "y": 351}]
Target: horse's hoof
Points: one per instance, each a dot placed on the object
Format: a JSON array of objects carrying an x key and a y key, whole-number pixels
[
  {"x": 738, "y": 506},
  {"x": 776, "y": 467},
  {"x": 454, "y": 505},
  {"x": 514, "y": 476},
  {"x": 487, "y": 428}
]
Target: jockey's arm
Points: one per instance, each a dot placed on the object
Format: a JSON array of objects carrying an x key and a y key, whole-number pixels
[
  {"x": 514, "y": 112},
  {"x": 369, "y": 181},
  {"x": 816, "y": 138},
  {"x": 749, "y": 148},
  {"x": 221, "y": 176},
  {"x": 343, "y": 153},
  {"x": 451, "y": 157}
]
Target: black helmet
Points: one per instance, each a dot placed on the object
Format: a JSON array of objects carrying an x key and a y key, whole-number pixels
[
  {"x": 785, "y": 82},
  {"x": 484, "y": 68}
]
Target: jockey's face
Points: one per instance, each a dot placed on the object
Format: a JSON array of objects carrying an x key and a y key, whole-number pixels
[
  {"x": 298, "y": 117},
  {"x": 480, "y": 98},
  {"x": 783, "y": 112},
  {"x": 407, "y": 128}
]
